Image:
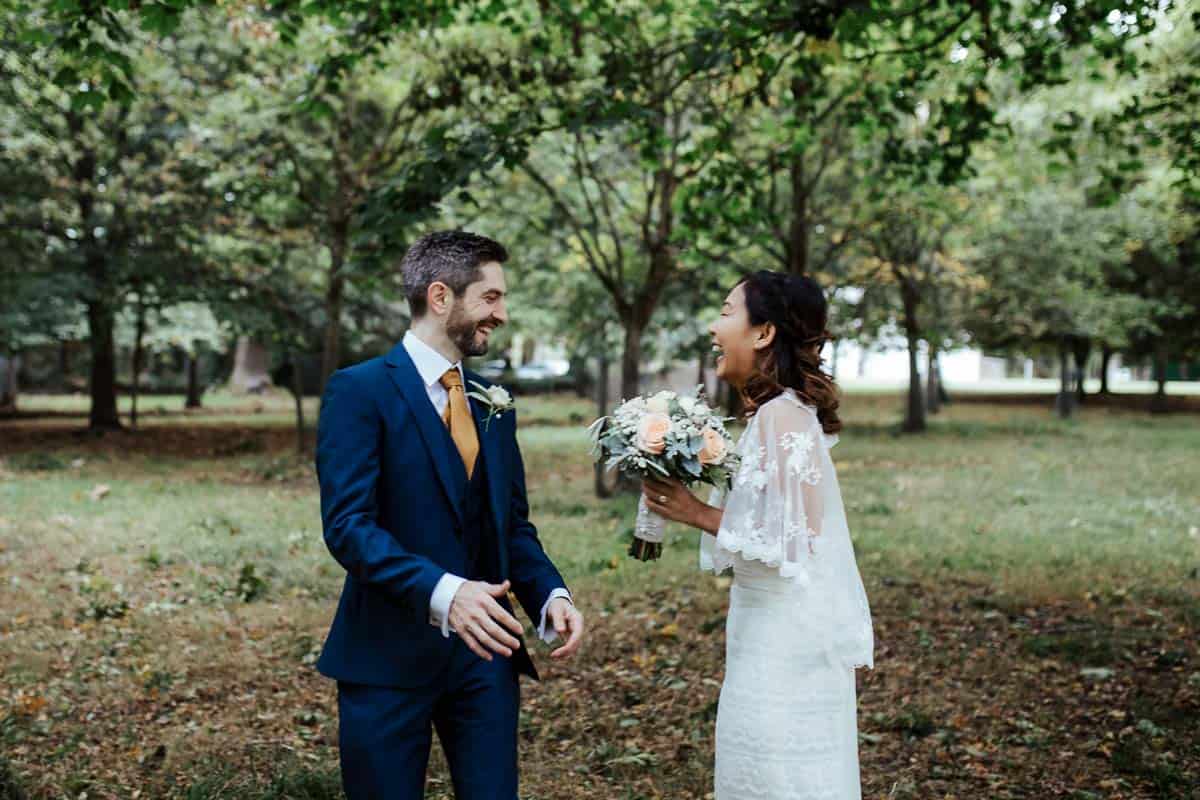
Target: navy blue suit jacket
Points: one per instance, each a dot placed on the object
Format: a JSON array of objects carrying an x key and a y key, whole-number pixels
[{"x": 392, "y": 518}]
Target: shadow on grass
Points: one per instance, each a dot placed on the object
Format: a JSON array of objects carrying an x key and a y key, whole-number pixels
[
  {"x": 10, "y": 787},
  {"x": 964, "y": 429},
  {"x": 1133, "y": 757},
  {"x": 1087, "y": 646},
  {"x": 292, "y": 780}
]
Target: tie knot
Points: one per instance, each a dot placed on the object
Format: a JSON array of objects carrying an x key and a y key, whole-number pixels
[{"x": 451, "y": 379}]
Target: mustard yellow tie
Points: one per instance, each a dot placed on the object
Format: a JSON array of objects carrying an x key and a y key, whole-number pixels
[{"x": 458, "y": 418}]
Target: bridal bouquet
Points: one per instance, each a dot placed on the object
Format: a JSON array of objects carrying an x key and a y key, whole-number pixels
[{"x": 668, "y": 435}]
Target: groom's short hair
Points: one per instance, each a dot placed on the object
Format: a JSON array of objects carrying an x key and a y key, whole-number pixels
[{"x": 449, "y": 257}]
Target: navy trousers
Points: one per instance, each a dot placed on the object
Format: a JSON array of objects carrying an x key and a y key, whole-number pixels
[{"x": 385, "y": 733}]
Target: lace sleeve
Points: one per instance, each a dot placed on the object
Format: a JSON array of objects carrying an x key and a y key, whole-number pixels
[{"x": 776, "y": 510}]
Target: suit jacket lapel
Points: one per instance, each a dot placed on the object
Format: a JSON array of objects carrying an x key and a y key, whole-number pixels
[
  {"x": 489, "y": 449},
  {"x": 406, "y": 378}
]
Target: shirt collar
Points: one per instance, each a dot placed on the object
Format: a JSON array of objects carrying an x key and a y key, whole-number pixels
[{"x": 431, "y": 365}]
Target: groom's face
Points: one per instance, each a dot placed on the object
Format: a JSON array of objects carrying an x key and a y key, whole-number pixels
[{"x": 478, "y": 312}]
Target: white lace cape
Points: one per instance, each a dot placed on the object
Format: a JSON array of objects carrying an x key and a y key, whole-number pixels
[{"x": 785, "y": 510}]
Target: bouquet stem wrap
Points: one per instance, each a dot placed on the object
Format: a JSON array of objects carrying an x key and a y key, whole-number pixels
[{"x": 648, "y": 533}]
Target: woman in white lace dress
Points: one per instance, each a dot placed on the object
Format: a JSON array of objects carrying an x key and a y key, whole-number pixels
[{"x": 799, "y": 623}]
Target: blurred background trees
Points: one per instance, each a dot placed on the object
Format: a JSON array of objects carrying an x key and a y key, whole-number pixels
[{"x": 184, "y": 184}]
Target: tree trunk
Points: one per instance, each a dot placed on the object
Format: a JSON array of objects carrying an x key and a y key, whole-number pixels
[
  {"x": 933, "y": 390},
  {"x": 298, "y": 393},
  {"x": 601, "y": 487},
  {"x": 1158, "y": 403},
  {"x": 797, "y": 250},
  {"x": 914, "y": 416},
  {"x": 103, "y": 376},
  {"x": 250, "y": 372},
  {"x": 1083, "y": 350},
  {"x": 1065, "y": 403},
  {"x": 64, "y": 365},
  {"x": 136, "y": 384},
  {"x": 797, "y": 243},
  {"x": 9, "y": 367},
  {"x": 194, "y": 391},
  {"x": 1106, "y": 354},
  {"x": 702, "y": 371},
  {"x": 631, "y": 356},
  {"x": 335, "y": 296},
  {"x": 579, "y": 372},
  {"x": 101, "y": 310}
]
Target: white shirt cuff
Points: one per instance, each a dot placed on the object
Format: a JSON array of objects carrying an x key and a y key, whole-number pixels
[
  {"x": 549, "y": 636},
  {"x": 440, "y": 600}
]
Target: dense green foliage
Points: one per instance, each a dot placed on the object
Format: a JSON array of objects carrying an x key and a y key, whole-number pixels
[{"x": 1017, "y": 175}]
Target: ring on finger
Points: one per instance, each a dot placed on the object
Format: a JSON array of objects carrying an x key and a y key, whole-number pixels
[{"x": 662, "y": 498}]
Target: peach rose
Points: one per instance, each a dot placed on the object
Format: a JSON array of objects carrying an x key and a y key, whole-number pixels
[
  {"x": 714, "y": 449},
  {"x": 652, "y": 433}
]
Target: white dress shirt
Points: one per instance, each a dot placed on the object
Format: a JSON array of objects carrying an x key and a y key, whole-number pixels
[{"x": 431, "y": 366}]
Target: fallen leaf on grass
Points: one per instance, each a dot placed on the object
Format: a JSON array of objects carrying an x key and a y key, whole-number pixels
[
  {"x": 99, "y": 492},
  {"x": 30, "y": 705}
]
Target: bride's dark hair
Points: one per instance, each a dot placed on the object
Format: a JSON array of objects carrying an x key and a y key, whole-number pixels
[{"x": 796, "y": 306}]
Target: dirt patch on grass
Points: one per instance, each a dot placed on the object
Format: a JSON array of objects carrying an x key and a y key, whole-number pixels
[
  {"x": 43, "y": 446},
  {"x": 1176, "y": 404},
  {"x": 973, "y": 696}
]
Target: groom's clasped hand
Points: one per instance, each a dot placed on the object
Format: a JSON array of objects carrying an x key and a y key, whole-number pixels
[
  {"x": 481, "y": 622},
  {"x": 487, "y": 628}
]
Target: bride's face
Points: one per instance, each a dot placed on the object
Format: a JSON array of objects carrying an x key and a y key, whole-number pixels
[{"x": 735, "y": 340}]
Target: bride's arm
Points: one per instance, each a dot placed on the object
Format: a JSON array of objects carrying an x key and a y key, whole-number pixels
[{"x": 672, "y": 500}]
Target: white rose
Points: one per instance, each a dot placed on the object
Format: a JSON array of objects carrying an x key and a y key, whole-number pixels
[
  {"x": 688, "y": 404},
  {"x": 635, "y": 405},
  {"x": 659, "y": 403},
  {"x": 499, "y": 397}
]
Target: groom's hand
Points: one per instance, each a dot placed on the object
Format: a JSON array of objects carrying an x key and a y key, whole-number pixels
[
  {"x": 568, "y": 623},
  {"x": 481, "y": 622}
]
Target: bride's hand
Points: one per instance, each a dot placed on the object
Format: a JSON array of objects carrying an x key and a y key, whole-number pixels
[{"x": 671, "y": 499}]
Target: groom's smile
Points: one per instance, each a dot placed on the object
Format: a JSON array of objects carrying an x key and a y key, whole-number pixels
[{"x": 479, "y": 311}]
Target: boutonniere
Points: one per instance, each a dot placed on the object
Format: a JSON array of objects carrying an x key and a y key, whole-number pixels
[{"x": 496, "y": 398}]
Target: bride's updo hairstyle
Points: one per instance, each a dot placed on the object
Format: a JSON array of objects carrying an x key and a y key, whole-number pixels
[{"x": 796, "y": 306}]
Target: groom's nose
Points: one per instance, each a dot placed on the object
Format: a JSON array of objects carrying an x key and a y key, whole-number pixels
[{"x": 501, "y": 312}]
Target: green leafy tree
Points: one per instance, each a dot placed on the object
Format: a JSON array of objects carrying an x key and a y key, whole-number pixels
[
  {"x": 1162, "y": 270},
  {"x": 369, "y": 157},
  {"x": 112, "y": 201},
  {"x": 905, "y": 245},
  {"x": 635, "y": 131}
]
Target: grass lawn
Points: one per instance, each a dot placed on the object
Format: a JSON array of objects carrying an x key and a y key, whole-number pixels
[{"x": 1035, "y": 584}]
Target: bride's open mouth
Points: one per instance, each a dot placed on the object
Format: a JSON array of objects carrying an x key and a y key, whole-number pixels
[{"x": 719, "y": 352}]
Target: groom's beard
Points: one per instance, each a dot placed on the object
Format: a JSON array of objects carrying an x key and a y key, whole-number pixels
[{"x": 461, "y": 331}]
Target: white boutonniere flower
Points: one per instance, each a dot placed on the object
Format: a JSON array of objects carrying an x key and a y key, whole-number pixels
[{"x": 496, "y": 398}]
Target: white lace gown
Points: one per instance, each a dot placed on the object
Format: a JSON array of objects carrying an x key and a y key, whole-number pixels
[{"x": 799, "y": 623}]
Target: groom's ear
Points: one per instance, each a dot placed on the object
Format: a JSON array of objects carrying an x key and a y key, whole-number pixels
[{"x": 439, "y": 298}]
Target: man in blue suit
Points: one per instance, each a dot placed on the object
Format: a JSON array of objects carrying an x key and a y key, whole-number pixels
[{"x": 423, "y": 503}]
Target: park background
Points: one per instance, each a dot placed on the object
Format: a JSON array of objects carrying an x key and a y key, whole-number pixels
[{"x": 203, "y": 207}]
